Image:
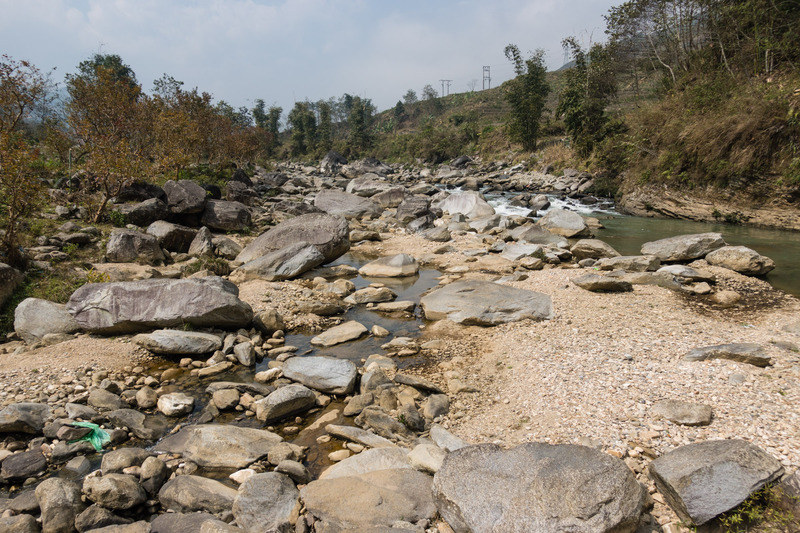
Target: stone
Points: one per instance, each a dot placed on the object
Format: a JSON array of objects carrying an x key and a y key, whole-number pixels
[
  {"x": 702, "y": 480},
  {"x": 371, "y": 295},
  {"x": 435, "y": 405},
  {"x": 392, "y": 197},
  {"x": 347, "y": 331},
  {"x": 78, "y": 466},
  {"x": 96, "y": 517},
  {"x": 176, "y": 404},
  {"x": 330, "y": 375},
  {"x": 565, "y": 223},
  {"x": 269, "y": 321},
  {"x": 10, "y": 278},
  {"x": 367, "y": 185},
  {"x": 115, "y": 461},
  {"x": 202, "y": 244},
  {"x": 144, "y": 213},
  {"x": 535, "y": 234},
  {"x": 22, "y": 523},
  {"x": 561, "y": 488},
  {"x": 152, "y": 475},
  {"x": 752, "y": 354},
  {"x": 185, "y": 197},
  {"x": 470, "y": 204},
  {"x": 181, "y": 522},
  {"x": 295, "y": 470},
  {"x": 172, "y": 237},
  {"x": 336, "y": 202},
  {"x": 393, "y": 266},
  {"x": 384, "y": 424},
  {"x": 629, "y": 263},
  {"x": 427, "y": 458},
  {"x": 130, "y": 306},
  {"x": 245, "y": 353},
  {"x": 22, "y": 465},
  {"x": 592, "y": 249},
  {"x": 412, "y": 207},
  {"x": 418, "y": 383},
  {"x": 359, "y": 436},
  {"x": 726, "y": 299},
  {"x": 741, "y": 259},
  {"x": 142, "y": 426},
  {"x": 178, "y": 342},
  {"x": 220, "y": 446},
  {"x": 485, "y": 303},
  {"x": 289, "y": 262},
  {"x": 375, "y": 500},
  {"x": 188, "y": 493},
  {"x": 25, "y": 417},
  {"x": 385, "y": 458},
  {"x": 486, "y": 224},
  {"x": 515, "y": 252},
  {"x": 327, "y": 232},
  {"x": 34, "y": 318},
  {"x": 114, "y": 491},
  {"x": 267, "y": 502},
  {"x": 225, "y": 216},
  {"x": 684, "y": 413},
  {"x": 684, "y": 247},
  {"x": 437, "y": 234},
  {"x": 288, "y": 400},
  {"x": 445, "y": 440},
  {"x": 127, "y": 246},
  {"x": 686, "y": 274},
  {"x": 598, "y": 283},
  {"x": 104, "y": 400},
  {"x": 60, "y": 503},
  {"x": 226, "y": 399}
]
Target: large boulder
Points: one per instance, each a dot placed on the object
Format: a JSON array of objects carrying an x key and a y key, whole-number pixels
[
  {"x": 537, "y": 487},
  {"x": 287, "y": 400},
  {"x": 565, "y": 223},
  {"x": 130, "y": 306},
  {"x": 185, "y": 494},
  {"x": 484, "y": 303},
  {"x": 335, "y": 202},
  {"x": 348, "y": 331},
  {"x": 327, "y": 232},
  {"x": 325, "y": 374},
  {"x": 172, "y": 237},
  {"x": 684, "y": 247},
  {"x": 384, "y": 458},
  {"x": 226, "y": 216},
  {"x": 114, "y": 491},
  {"x": 374, "y": 501},
  {"x": 185, "y": 197},
  {"x": 470, "y": 204},
  {"x": 287, "y": 263},
  {"x": 143, "y": 426},
  {"x": 24, "y": 418},
  {"x": 367, "y": 185},
  {"x": 702, "y": 480},
  {"x": 629, "y": 263},
  {"x": 178, "y": 342},
  {"x": 23, "y": 465},
  {"x": 412, "y": 207},
  {"x": 34, "y": 318},
  {"x": 742, "y": 352},
  {"x": 598, "y": 283},
  {"x": 220, "y": 446},
  {"x": 60, "y": 503},
  {"x": 592, "y": 249},
  {"x": 144, "y": 213},
  {"x": 267, "y": 502},
  {"x": 127, "y": 246},
  {"x": 9, "y": 279},
  {"x": 534, "y": 234},
  {"x": 390, "y": 266},
  {"x": 741, "y": 259}
]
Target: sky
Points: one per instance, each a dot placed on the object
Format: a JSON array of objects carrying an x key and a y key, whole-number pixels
[{"x": 284, "y": 51}]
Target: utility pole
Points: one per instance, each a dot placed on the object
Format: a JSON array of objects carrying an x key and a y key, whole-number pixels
[
  {"x": 448, "y": 86},
  {"x": 487, "y": 77}
]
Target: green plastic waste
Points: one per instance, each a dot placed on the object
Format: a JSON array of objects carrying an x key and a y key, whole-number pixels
[{"x": 96, "y": 437}]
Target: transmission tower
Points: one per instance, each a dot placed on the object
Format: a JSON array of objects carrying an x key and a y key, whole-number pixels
[
  {"x": 487, "y": 77},
  {"x": 443, "y": 87}
]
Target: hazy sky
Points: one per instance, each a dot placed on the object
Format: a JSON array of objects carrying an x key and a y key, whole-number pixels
[{"x": 288, "y": 50}]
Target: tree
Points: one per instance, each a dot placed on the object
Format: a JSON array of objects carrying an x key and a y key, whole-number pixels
[
  {"x": 429, "y": 93},
  {"x": 472, "y": 84},
  {"x": 273, "y": 125},
  {"x": 360, "y": 122},
  {"x": 324, "y": 132},
  {"x": 399, "y": 112},
  {"x": 303, "y": 125},
  {"x": 410, "y": 97},
  {"x": 588, "y": 87},
  {"x": 260, "y": 114},
  {"x": 526, "y": 93},
  {"x": 106, "y": 118},
  {"x": 22, "y": 88}
]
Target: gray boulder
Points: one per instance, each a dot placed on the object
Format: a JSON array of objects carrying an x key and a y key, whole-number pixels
[
  {"x": 325, "y": 374},
  {"x": 367, "y": 185},
  {"x": 21, "y": 523},
  {"x": 130, "y": 306},
  {"x": 348, "y": 331},
  {"x": 745, "y": 352},
  {"x": 127, "y": 246},
  {"x": 287, "y": 263},
  {"x": 23, "y": 465},
  {"x": 391, "y": 266},
  {"x": 220, "y": 446},
  {"x": 515, "y": 252},
  {"x": 182, "y": 522},
  {"x": 470, "y": 204},
  {"x": 741, "y": 259},
  {"x": 684, "y": 247},
  {"x": 598, "y": 283},
  {"x": 144, "y": 213},
  {"x": 172, "y": 237},
  {"x": 565, "y": 223},
  {"x": 629, "y": 263},
  {"x": 104, "y": 399},
  {"x": 178, "y": 342},
  {"x": 267, "y": 502},
  {"x": 534, "y": 234},
  {"x": 184, "y": 494},
  {"x": 287, "y": 400},
  {"x": 185, "y": 197},
  {"x": 9, "y": 279},
  {"x": 561, "y": 488},
  {"x": 60, "y": 503},
  {"x": 335, "y": 202},
  {"x": 96, "y": 517},
  {"x": 702, "y": 480},
  {"x": 484, "y": 303},
  {"x": 115, "y": 461},
  {"x": 384, "y": 458},
  {"x": 176, "y": 404},
  {"x": 25, "y": 417},
  {"x": 202, "y": 244},
  {"x": 114, "y": 491},
  {"x": 412, "y": 207},
  {"x": 327, "y": 232},
  {"x": 390, "y": 197},
  {"x": 592, "y": 249},
  {"x": 142, "y": 426},
  {"x": 226, "y": 216},
  {"x": 226, "y": 247},
  {"x": 684, "y": 413},
  {"x": 34, "y": 318}
]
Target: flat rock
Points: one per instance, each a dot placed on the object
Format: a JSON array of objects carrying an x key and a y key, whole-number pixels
[
  {"x": 484, "y": 303},
  {"x": 592, "y": 249},
  {"x": 534, "y": 234},
  {"x": 194, "y": 493},
  {"x": 130, "y": 306},
  {"x": 469, "y": 203},
  {"x": 22, "y": 465},
  {"x": 348, "y": 331},
  {"x": 225, "y": 216},
  {"x": 325, "y": 374},
  {"x": 686, "y": 274},
  {"x": 285, "y": 401},
  {"x": 741, "y": 259},
  {"x": 374, "y": 499},
  {"x": 516, "y": 251},
  {"x": 565, "y": 223},
  {"x": 418, "y": 383},
  {"x": 178, "y": 342},
  {"x": 267, "y": 502},
  {"x": 176, "y": 404},
  {"x": 34, "y": 318},
  {"x": 684, "y": 247},
  {"x": 393, "y": 266},
  {"x": 328, "y": 233},
  {"x": 598, "y": 283},
  {"x": 220, "y": 446},
  {"x": 181, "y": 522},
  {"x": 684, "y": 413},
  {"x": 386, "y": 458},
  {"x": 288, "y": 262},
  {"x": 359, "y": 436},
  {"x": 700, "y": 481},
  {"x": 446, "y": 440},
  {"x": 145, "y": 212},
  {"x": 561, "y": 488},
  {"x": 371, "y": 295},
  {"x": 629, "y": 263},
  {"x": 337, "y": 202},
  {"x": 142, "y": 426},
  {"x": 752, "y": 354},
  {"x": 25, "y": 417}
]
